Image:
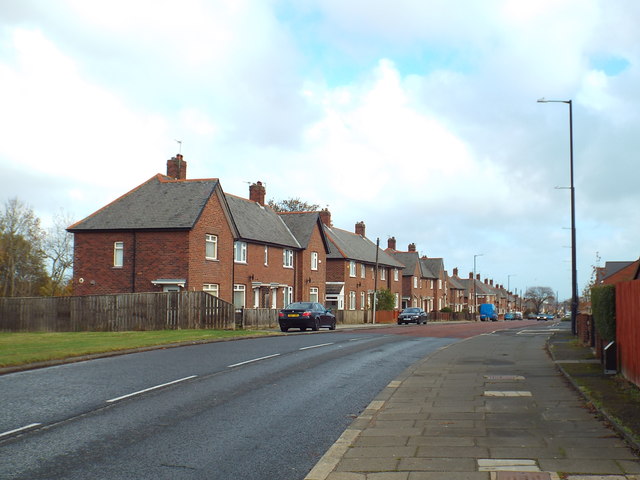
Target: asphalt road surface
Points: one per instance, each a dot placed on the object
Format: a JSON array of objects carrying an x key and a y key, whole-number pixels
[{"x": 264, "y": 408}]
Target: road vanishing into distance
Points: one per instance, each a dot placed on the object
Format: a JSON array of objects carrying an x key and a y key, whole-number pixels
[{"x": 262, "y": 408}]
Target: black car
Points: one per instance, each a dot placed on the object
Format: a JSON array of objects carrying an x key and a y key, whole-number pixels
[
  {"x": 412, "y": 315},
  {"x": 305, "y": 315}
]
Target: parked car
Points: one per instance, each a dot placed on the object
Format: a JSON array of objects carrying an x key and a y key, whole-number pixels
[
  {"x": 541, "y": 316},
  {"x": 305, "y": 315},
  {"x": 412, "y": 315},
  {"x": 488, "y": 312},
  {"x": 509, "y": 316},
  {"x": 517, "y": 315}
]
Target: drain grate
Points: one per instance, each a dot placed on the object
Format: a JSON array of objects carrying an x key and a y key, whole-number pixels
[{"x": 504, "y": 377}]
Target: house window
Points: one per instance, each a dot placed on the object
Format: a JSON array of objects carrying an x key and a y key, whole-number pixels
[
  {"x": 287, "y": 258},
  {"x": 211, "y": 247},
  {"x": 361, "y": 300},
  {"x": 397, "y": 300},
  {"x": 274, "y": 297},
  {"x": 287, "y": 295},
  {"x": 238, "y": 296},
  {"x": 395, "y": 274},
  {"x": 383, "y": 274},
  {"x": 118, "y": 254},
  {"x": 314, "y": 261},
  {"x": 313, "y": 294},
  {"x": 266, "y": 255},
  {"x": 352, "y": 300},
  {"x": 363, "y": 270},
  {"x": 240, "y": 252},
  {"x": 256, "y": 297},
  {"x": 415, "y": 282},
  {"x": 439, "y": 283},
  {"x": 211, "y": 288},
  {"x": 352, "y": 268},
  {"x": 431, "y": 284}
]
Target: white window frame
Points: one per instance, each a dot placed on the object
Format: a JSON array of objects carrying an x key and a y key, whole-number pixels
[
  {"x": 352, "y": 300},
  {"x": 363, "y": 270},
  {"x": 243, "y": 289},
  {"x": 395, "y": 274},
  {"x": 352, "y": 268},
  {"x": 240, "y": 252},
  {"x": 313, "y": 294},
  {"x": 266, "y": 255},
  {"x": 415, "y": 282},
  {"x": 118, "y": 254},
  {"x": 211, "y": 288},
  {"x": 211, "y": 243},
  {"x": 314, "y": 261},
  {"x": 287, "y": 258},
  {"x": 383, "y": 273},
  {"x": 274, "y": 297},
  {"x": 397, "y": 296},
  {"x": 362, "y": 302}
]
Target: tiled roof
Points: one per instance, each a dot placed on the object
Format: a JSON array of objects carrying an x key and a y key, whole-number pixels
[
  {"x": 408, "y": 259},
  {"x": 159, "y": 203},
  {"x": 259, "y": 224},
  {"x": 347, "y": 245},
  {"x": 301, "y": 225},
  {"x": 434, "y": 266}
]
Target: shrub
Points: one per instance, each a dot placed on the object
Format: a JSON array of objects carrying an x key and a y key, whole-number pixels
[
  {"x": 446, "y": 310},
  {"x": 603, "y": 306},
  {"x": 386, "y": 300}
]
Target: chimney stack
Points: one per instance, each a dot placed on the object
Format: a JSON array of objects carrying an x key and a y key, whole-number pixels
[
  {"x": 360, "y": 229},
  {"x": 325, "y": 217},
  {"x": 257, "y": 192},
  {"x": 177, "y": 168},
  {"x": 455, "y": 272},
  {"x": 477, "y": 276},
  {"x": 412, "y": 247},
  {"x": 470, "y": 275},
  {"x": 391, "y": 243}
]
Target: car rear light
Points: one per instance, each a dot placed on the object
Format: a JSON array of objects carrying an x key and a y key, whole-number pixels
[
  {"x": 306, "y": 314},
  {"x": 281, "y": 315}
]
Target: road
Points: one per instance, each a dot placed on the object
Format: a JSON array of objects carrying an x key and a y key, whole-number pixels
[{"x": 265, "y": 408}]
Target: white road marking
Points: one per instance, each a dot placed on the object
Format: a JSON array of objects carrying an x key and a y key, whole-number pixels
[
  {"x": 16, "y": 430},
  {"x": 253, "y": 360},
  {"x": 150, "y": 388},
  {"x": 317, "y": 346}
]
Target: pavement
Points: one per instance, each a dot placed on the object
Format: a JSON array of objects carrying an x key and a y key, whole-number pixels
[{"x": 491, "y": 407}]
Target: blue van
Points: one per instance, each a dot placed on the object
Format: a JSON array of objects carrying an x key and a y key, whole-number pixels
[{"x": 488, "y": 312}]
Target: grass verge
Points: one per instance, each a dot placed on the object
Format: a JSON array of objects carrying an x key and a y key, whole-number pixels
[{"x": 24, "y": 348}]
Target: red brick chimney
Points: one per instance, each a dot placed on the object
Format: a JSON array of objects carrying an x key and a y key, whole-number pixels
[
  {"x": 325, "y": 217},
  {"x": 478, "y": 276},
  {"x": 177, "y": 168},
  {"x": 360, "y": 229},
  {"x": 391, "y": 243},
  {"x": 412, "y": 247},
  {"x": 455, "y": 272},
  {"x": 257, "y": 192},
  {"x": 491, "y": 282},
  {"x": 470, "y": 275}
]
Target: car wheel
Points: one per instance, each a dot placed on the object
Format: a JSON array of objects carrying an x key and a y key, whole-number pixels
[
  {"x": 284, "y": 329},
  {"x": 316, "y": 326},
  {"x": 302, "y": 329},
  {"x": 332, "y": 326}
]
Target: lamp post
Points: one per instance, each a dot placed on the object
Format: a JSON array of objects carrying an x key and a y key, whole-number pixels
[
  {"x": 475, "y": 295},
  {"x": 574, "y": 273}
]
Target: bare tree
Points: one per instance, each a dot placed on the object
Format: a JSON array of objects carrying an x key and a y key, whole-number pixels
[
  {"x": 293, "y": 205},
  {"x": 538, "y": 296},
  {"x": 59, "y": 253},
  {"x": 22, "y": 271}
]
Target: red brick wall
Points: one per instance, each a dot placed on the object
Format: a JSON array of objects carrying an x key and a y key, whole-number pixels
[
  {"x": 213, "y": 222},
  {"x": 307, "y": 278}
]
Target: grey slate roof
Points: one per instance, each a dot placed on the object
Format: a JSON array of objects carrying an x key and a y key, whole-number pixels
[
  {"x": 613, "y": 267},
  {"x": 159, "y": 203},
  {"x": 408, "y": 259},
  {"x": 347, "y": 245},
  {"x": 456, "y": 283},
  {"x": 259, "y": 224},
  {"x": 301, "y": 225},
  {"x": 432, "y": 266}
]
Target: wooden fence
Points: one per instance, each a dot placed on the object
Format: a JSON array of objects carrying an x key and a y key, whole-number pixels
[
  {"x": 121, "y": 312},
  {"x": 628, "y": 329}
]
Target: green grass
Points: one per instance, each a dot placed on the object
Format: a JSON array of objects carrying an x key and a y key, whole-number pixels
[{"x": 24, "y": 348}]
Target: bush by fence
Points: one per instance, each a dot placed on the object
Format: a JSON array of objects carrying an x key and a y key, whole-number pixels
[
  {"x": 121, "y": 312},
  {"x": 603, "y": 306}
]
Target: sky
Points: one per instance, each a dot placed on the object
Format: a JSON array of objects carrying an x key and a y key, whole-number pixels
[{"x": 418, "y": 117}]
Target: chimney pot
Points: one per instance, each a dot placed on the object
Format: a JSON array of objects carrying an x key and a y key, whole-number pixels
[
  {"x": 360, "y": 229},
  {"x": 325, "y": 217},
  {"x": 455, "y": 272},
  {"x": 391, "y": 243},
  {"x": 412, "y": 247}
]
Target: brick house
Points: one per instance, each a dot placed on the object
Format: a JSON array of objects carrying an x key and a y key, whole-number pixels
[
  {"x": 433, "y": 269},
  {"x": 171, "y": 233},
  {"x": 457, "y": 300},
  {"x": 415, "y": 284},
  {"x": 167, "y": 234},
  {"x": 351, "y": 268}
]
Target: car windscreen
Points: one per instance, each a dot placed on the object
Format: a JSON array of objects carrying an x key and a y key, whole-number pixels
[
  {"x": 411, "y": 310},
  {"x": 299, "y": 306}
]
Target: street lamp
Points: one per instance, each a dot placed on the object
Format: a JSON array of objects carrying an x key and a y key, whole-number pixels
[
  {"x": 574, "y": 273},
  {"x": 475, "y": 295}
]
